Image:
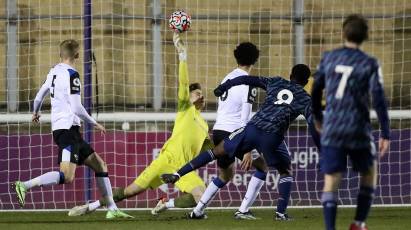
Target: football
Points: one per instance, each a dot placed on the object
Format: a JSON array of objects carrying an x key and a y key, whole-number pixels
[{"x": 179, "y": 21}]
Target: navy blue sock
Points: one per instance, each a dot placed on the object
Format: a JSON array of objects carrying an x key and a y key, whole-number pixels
[
  {"x": 201, "y": 160},
  {"x": 284, "y": 190},
  {"x": 260, "y": 175},
  {"x": 101, "y": 174},
  {"x": 62, "y": 178},
  {"x": 219, "y": 183},
  {"x": 329, "y": 209},
  {"x": 364, "y": 201}
]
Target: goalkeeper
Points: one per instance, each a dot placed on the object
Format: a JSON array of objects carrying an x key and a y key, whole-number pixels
[{"x": 180, "y": 148}]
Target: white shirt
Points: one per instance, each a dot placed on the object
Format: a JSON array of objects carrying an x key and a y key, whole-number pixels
[
  {"x": 63, "y": 83},
  {"x": 234, "y": 107}
]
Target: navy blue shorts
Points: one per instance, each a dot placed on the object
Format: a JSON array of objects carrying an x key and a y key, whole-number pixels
[
  {"x": 334, "y": 159},
  {"x": 218, "y": 136},
  {"x": 270, "y": 145}
]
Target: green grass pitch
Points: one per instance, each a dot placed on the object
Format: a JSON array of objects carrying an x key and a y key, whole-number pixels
[{"x": 305, "y": 219}]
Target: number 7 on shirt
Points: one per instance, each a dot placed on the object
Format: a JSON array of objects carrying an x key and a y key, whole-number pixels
[{"x": 346, "y": 72}]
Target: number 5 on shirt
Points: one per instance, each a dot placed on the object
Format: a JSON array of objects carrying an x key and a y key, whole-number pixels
[{"x": 52, "y": 86}]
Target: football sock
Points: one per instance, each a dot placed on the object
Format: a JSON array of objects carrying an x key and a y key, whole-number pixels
[
  {"x": 364, "y": 201},
  {"x": 49, "y": 178},
  {"x": 253, "y": 189},
  {"x": 170, "y": 203},
  {"x": 208, "y": 195},
  {"x": 104, "y": 186},
  {"x": 94, "y": 205},
  {"x": 184, "y": 201},
  {"x": 329, "y": 202},
  {"x": 201, "y": 160},
  {"x": 118, "y": 195},
  {"x": 284, "y": 189}
]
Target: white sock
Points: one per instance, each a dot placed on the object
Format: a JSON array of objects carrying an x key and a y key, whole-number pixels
[
  {"x": 205, "y": 199},
  {"x": 170, "y": 203},
  {"x": 50, "y": 178},
  {"x": 253, "y": 189},
  {"x": 94, "y": 205},
  {"x": 359, "y": 223},
  {"x": 104, "y": 185}
]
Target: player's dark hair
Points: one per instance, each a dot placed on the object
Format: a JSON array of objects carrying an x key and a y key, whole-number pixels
[
  {"x": 355, "y": 28},
  {"x": 300, "y": 74},
  {"x": 246, "y": 54},
  {"x": 69, "y": 49},
  {"x": 194, "y": 86}
]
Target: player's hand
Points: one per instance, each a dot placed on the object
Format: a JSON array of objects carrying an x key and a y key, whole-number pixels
[
  {"x": 35, "y": 118},
  {"x": 180, "y": 47},
  {"x": 101, "y": 128},
  {"x": 247, "y": 161},
  {"x": 219, "y": 91},
  {"x": 383, "y": 145},
  {"x": 318, "y": 126},
  {"x": 170, "y": 178}
]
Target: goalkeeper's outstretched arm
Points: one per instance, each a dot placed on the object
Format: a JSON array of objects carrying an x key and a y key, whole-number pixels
[{"x": 183, "y": 82}]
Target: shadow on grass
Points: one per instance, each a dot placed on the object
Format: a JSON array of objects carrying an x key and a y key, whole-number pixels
[{"x": 68, "y": 220}]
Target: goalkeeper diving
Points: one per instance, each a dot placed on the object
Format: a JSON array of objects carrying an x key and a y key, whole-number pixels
[{"x": 179, "y": 149}]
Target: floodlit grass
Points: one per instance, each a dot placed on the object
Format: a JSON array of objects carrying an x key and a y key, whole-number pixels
[{"x": 305, "y": 219}]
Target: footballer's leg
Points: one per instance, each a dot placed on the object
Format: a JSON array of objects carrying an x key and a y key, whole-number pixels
[
  {"x": 68, "y": 169},
  {"x": 253, "y": 189},
  {"x": 187, "y": 200},
  {"x": 192, "y": 186},
  {"x": 365, "y": 163},
  {"x": 329, "y": 199},
  {"x": 187, "y": 184},
  {"x": 199, "y": 161},
  {"x": 239, "y": 143},
  {"x": 266, "y": 143},
  {"x": 149, "y": 178},
  {"x": 228, "y": 146},
  {"x": 66, "y": 174},
  {"x": 283, "y": 165},
  {"x": 49, "y": 178},
  {"x": 364, "y": 198},
  {"x": 284, "y": 192},
  {"x": 225, "y": 173},
  {"x": 333, "y": 164},
  {"x": 119, "y": 194},
  {"x": 97, "y": 164}
]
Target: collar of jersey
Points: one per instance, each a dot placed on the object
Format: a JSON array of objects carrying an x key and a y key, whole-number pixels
[
  {"x": 241, "y": 72},
  {"x": 67, "y": 65}
]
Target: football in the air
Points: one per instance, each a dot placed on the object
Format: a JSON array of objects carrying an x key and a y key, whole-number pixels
[{"x": 179, "y": 21}]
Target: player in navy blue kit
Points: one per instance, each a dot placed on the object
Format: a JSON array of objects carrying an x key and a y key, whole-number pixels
[
  {"x": 348, "y": 76},
  {"x": 285, "y": 101}
]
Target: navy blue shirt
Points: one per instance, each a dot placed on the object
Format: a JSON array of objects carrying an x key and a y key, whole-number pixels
[
  {"x": 349, "y": 76},
  {"x": 284, "y": 102}
]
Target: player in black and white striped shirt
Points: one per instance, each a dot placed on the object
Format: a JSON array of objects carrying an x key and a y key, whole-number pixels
[{"x": 63, "y": 84}]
